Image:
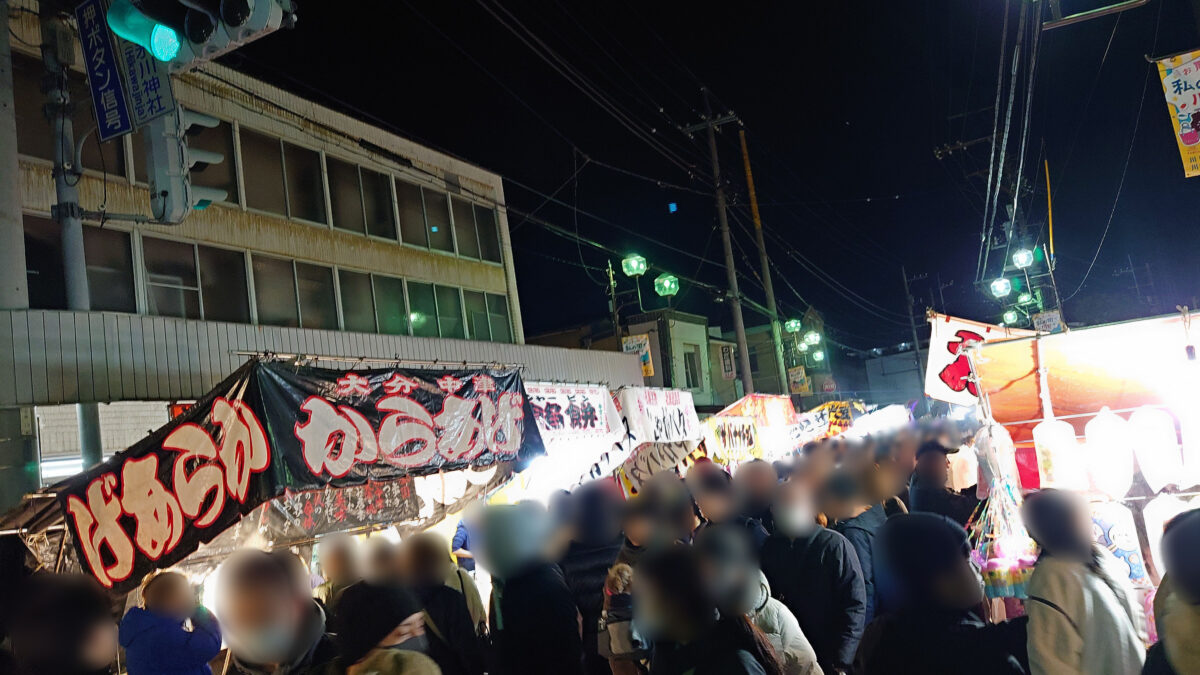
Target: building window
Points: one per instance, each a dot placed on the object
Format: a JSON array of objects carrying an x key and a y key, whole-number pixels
[
  {"x": 275, "y": 292},
  {"x": 422, "y": 307},
  {"x": 692, "y": 374},
  {"x": 499, "y": 319},
  {"x": 478, "y": 323},
  {"x": 314, "y": 287},
  {"x": 412, "y": 214},
  {"x": 450, "y": 318},
  {"x": 489, "y": 235},
  {"x": 752, "y": 354},
  {"x": 305, "y": 190},
  {"x": 172, "y": 285},
  {"x": 437, "y": 217},
  {"x": 390, "y": 313},
  {"x": 44, "y": 264},
  {"x": 377, "y": 204},
  {"x": 262, "y": 166},
  {"x": 223, "y": 290},
  {"x": 109, "y": 257},
  {"x": 358, "y": 306},
  {"x": 464, "y": 228},
  {"x": 345, "y": 196}
]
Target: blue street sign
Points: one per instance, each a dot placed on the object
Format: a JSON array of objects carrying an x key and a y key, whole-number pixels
[
  {"x": 149, "y": 83},
  {"x": 104, "y": 76}
]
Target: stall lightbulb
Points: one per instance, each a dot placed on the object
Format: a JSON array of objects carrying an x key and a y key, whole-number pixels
[
  {"x": 1001, "y": 287},
  {"x": 1022, "y": 258},
  {"x": 792, "y": 325},
  {"x": 634, "y": 266},
  {"x": 666, "y": 285},
  {"x": 818, "y": 356},
  {"x": 1010, "y": 317},
  {"x": 812, "y": 337}
]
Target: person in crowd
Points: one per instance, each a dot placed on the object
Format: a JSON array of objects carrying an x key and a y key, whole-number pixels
[
  {"x": 626, "y": 649},
  {"x": 674, "y": 607},
  {"x": 535, "y": 626},
  {"x": 731, "y": 571},
  {"x": 639, "y": 528},
  {"x": 383, "y": 563},
  {"x": 815, "y": 572},
  {"x": 339, "y": 564},
  {"x": 932, "y": 589},
  {"x": 886, "y": 481},
  {"x": 858, "y": 518},
  {"x": 271, "y": 624},
  {"x": 427, "y": 544},
  {"x": 593, "y": 549},
  {"x": 675, "y": 507},
  {"x": 718, "y": 502},
  {"x": 755, "y": 482},
  {"x": 1083, "y": 615},
  {"x": 62, "y": 625},
  {"x": 452, "y": 632},
  {"x": 1177, "y": 605},
  {"x": 380, "y": 631},
  {"x": 155, "y": 637},
  {"x": 929, "y": 490},
  {"x": 461, "y": 546}
]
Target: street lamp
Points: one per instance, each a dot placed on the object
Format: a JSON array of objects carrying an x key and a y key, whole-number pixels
[
  {"x": 1001, "y": 288},
  {"x": 1022, "y": 258},
  {"x": 801, "y": 347},
  {"x": 666, "y": 285},
  {"x": 812, "y": 337},
  {"x": 1010, "y": 317},
  {"x": 792, "y": 325},
  {"x": 1025, "y": 298},
  {"x": 818, "y": 356},
  {"x": 634, "y": 266}
]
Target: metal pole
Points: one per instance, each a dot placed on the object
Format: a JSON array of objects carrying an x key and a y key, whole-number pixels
[
  {"x": 612, "y": 297},
  {"x": 14, "y": 290},
  {"x": 908, "y": 301},
  {"x": 739, "y": 328},
  {"x": 768, "y": 286},
  {"x": 67, "y": 210}
]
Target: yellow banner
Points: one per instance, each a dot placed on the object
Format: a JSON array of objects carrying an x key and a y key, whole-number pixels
[{"x": 1180, "y": 77}]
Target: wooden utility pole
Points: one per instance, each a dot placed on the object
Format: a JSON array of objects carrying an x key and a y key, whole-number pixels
[{"x": 768, "y": 287}]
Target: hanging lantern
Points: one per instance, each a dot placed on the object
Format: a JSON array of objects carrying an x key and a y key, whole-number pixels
[
  {"x": 793, "y": 325},
  {"x": 634, "y": 266},
  {"x": 1157, "y": 447},
  {"x": 1001, "y": 287},
  {"x": 666, "y": 285},
  {"x": 1022, "y": 258},
  {"x": 1109, "y": 453},
  {"x": 1059, "y": 457},
  {"x": 812, "y": 337}
]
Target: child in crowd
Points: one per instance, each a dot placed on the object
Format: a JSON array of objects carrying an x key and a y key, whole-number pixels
[
  {"x": 617, "y": 639},
  {"x": 170, "y": 633}
]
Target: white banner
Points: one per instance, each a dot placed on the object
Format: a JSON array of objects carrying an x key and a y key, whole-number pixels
[
  {"x": 570, "y": 413},
  {"x": 948, "y": 371}
]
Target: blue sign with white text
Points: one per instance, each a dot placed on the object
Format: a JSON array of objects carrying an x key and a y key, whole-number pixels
[{"x": 104, "y": 75}]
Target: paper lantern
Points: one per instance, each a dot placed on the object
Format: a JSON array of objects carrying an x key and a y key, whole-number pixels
[
  {"x": 1157, "y": 513},
  {"x": 1109, "y": 453},
  {"x": 1060, "y": 459},
  {"x": 1156, "y": 447},
  {"x": 997, "y": 458},
  {"x": 1114, "y": 529}
]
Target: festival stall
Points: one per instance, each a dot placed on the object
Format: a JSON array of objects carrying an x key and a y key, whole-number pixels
[
  {"x": 279, "y": 453},
  {"x": 659, "y": 430},
  {"x": 774, "y": 419}
]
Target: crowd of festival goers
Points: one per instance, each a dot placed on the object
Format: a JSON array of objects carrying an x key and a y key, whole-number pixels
[{"x": 850, "y": 557}]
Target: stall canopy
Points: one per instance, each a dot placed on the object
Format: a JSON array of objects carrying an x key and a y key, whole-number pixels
[
  {"x": 659, "y": 428},
  {"x": 359, "y": 438},
  {"x": 579, "y": 424}
]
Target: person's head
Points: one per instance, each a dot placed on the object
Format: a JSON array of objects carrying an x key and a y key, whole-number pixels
[
  {"x": 427, "y": 559},
  {"x": 924, "y": 562},
  {"x": 1181, "y": 550},
  {"x": 1060, "y": 523},
  {"x": 619, "y": 580},
  {"x": 904, "y": 448},
  {"x": 513, "y": 537},
  {"x": 640, "y": 522},
  {"x": 794, "y": 511},
  {"x": 383, "y": 616},
  {"x": 889, "y": 475},
  {"x": 756, "y": 481},
  {"x": 263, "y": 600},
  {"x": 382, "y": 561},
  {"x": 675, "y": 510},
  {"x": 729, "y": 567},
  {"x": 62, "y": 625},
  {"x": 933, "y": 466},
  {"x": 672, "y": 602},
  {"x": 716, "y": 497},
  {"x": 169, "y": 594},
  {"x": 844, "y": 496},
  {"x": 339, "y": 562},
  {"x": 597, "y": 512}
]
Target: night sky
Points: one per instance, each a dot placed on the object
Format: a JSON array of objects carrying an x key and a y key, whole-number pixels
[{"x": 843, "y": 104}]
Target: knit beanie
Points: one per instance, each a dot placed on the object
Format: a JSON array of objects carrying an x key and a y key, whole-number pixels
[{"x": 367, "y": 613}]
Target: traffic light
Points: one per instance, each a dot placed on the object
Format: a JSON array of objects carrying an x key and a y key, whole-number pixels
[
  {"x": 170, "y": 162},
  {"x": 186, "y": 33}
]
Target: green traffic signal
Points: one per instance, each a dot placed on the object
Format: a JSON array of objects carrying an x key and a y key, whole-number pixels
[{"x": 126, "y": 20}]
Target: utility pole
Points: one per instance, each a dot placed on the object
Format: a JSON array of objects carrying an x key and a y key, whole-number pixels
[
  {"x": 612, "y": 298},
  {"x": 67, "y": 211},
  {"x": 768, "y": 286},
  {"x": 908, "y": 305},
  {"x": 735, "y": 298}
]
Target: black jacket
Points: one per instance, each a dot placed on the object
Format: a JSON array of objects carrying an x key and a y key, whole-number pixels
[
  {"x": 860, "y": 531},
  {"x": 1156, "y": 661},
  {"x": 584, "y": 568},
  {"x": 758, "y": 533},
  {"x": 717, "y": 653},
  {"x": 534, "y": 624},
  {"x": 453, "y": 644},
  {"x": 941, "y": 500},
  {"x": 819, "y": 579},
  {"x": 939, "y": 643}
]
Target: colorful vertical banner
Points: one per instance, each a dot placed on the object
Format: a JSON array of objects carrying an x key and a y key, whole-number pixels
[
  {"x": 798, "y": 382},
  {"x": 640, "y": 345},
  {"x": 728, "y": 369},
  {"x": 1180, "y": 77},
  {"x": 947, "y": 374}
]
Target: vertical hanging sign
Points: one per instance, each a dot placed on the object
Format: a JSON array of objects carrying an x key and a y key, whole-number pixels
[
  {"x": 1180, "y": 77},
  {"x": 104, "y": 77}
]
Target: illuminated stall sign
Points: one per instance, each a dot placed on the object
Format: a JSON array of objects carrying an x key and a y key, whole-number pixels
[
  {"x": 272, "y": 427},
  {"x": 732, "y": 439},
  {"x": 567, "y": 413}
]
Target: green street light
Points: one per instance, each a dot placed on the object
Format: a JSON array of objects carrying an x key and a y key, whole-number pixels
[
  {"x": 1001, "y": 287},
  {"x": 792, "y": 325},
  {"x": 801, "y": 347},
  {"x": 812, "y": 337},
  {"x": 818, "y": 356},
  {"x": 1022, "y": 258},
  {"x": 634, "y": 265},
  {"x": 1025, "y": 298},
  {"x": 666, "y": 285},
  {"x": 126, "y": 20},
  {"x": 1010, "y": 317}
]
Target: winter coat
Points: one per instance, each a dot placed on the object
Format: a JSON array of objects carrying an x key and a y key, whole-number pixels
[
  {"x": 535, "y": 625},
  {"x": 778, "y": 623},
  {"x": 159, "y": 645},
  {"x": 933, "y": 642},
  {"x": 630, "y": 553},
  {"x": 941, "y": 500},
  {"x": 860, "y": 531},
  {"x": 1157, "y": 663},
  {"x": 1178, "y": 621},
  {"x": 585, "y": 566},
  {"x": 453, "y": 642},
  {"x": 758, "y": 533},
  {"x": 712, "y": 654},
  {"x": 314, "y": 651},
  {"x": 387, "y": 662},
  {"x": 462, "y": 541},
  {"x": 817, "y": 576},
  {"x": 463, "y": 583},
  {"x": 1084, "y": 621}
]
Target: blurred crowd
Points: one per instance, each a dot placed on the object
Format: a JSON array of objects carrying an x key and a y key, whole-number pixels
[{"x": 849, "y": 557}]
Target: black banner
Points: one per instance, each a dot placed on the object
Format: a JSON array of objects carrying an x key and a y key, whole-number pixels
[{"x": 271, "y": 427}]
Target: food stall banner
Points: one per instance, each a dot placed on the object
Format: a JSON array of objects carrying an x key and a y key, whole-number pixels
[
  {"x": 768, "y": 410},
  {"x": 947, "y": 372},
  {"x": 655, "y": 416},
  {"x": 1180, "y": 76},
  {"x": 272, "y": 427},
  {"x": 732, "y": 440},
  {"x": 650, "y": 459},
  {"x": 570, "y": 413},
  {"x": 640, "y": 346},
  {"x": 798, "y": 382}
]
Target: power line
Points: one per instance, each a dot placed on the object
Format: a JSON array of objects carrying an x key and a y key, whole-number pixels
[{"x": 987, "y": 195}]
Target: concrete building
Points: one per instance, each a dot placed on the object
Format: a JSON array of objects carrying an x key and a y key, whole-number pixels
[{"x": 338, "y": 238}]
